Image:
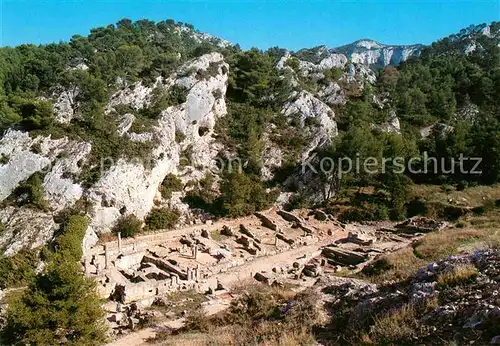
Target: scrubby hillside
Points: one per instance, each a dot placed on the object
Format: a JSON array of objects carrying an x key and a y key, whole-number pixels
[
  {"x": 143, "y": 126},
  {"x": 139, "y": 117}
]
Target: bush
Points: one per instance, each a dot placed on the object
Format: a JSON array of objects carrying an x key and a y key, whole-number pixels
[
  {"x": 332, "y": 75},
  {"x": 128, "y": 226},
  {"x": 69, "y": 241},
  {"x": 179, "y": 137},
  {"x": 170, "y": 184},
  {"x": 164, "y": 218},
  {"x": 294, "y": 63},
  {"x": 31, "y": 193},
  {"x": 4, "y": 159},
  {"x": 19, "y": 269}
]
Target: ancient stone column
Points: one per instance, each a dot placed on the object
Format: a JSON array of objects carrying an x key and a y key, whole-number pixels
[
  {"x": 276, "y": 239},
  {"x": 198, "y": 273},
  {"x": 97, "y": 268},
  {"x": 189, "y": 274},
  {"x": 195, "y": 252},
  {"x": 119, "y": 242},
  {"x": 106, "y": 256}
]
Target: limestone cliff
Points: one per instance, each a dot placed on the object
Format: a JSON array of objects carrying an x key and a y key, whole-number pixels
[
  {"x": 128, "y": 186},
  {"x": 370, "y": 52}
]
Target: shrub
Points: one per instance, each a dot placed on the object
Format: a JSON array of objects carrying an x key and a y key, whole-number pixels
[
  {"x": 128, "y": 226},
  {"x": 179, "y": 137},
  {"x": 170, "y": 184},
  {"x": 164, "y": 218},
  {"x": 19, "y": 269},
  {"x": 294, "y": 63},
  {"x": 243, "y": 195},
  {"x": 381, "y": 212},
  {"x": 31, "y": 193},
  {"x": 4, "y": 159},
  {"x": 69, "y": 241},
  {"x": 176, "y": 95},
  {"x": 332, "y": 75},
  {"x": 186, "y": 158}
]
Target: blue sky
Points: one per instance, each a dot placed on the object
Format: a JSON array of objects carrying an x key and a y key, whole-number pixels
[{"x": 253, "y": 23}]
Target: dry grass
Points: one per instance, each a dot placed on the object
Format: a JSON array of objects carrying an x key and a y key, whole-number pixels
[
  {"x": 399, "y": 325},
  {"x": 470, "y": 197},
  {"x": 106, "y": 237},
  {"x": 255, "y": 318},
  {"x": 484, "y": 231},
  {"x": 447, "y": 242},
  {"x": 460, "y": 275},
  {"x": 396, "y": 266}
]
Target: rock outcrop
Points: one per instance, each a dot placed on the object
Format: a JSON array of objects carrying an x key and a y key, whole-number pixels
[
  {"x": 129, "y": 186},
  {"x": 370, "y": 52},
  {"x": 134, "y": 185},
  {"x": 309, "y": 108}
]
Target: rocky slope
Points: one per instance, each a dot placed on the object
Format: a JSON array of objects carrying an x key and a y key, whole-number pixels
[
  {"x": 127, "y": 186},
  {"x": 455, "y": 299}
]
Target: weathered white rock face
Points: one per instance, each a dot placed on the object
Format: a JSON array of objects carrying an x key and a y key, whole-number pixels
[
  {"x": 131, "y": 187},
  {"x": 392, "y": 125},
  {"x": 306, "y": 67},
  {"x": 305, "y": 105},
  {"x": 24, "y": 228},
  {"x": 333, "y": 94},
  {"x": 128, "y": 186},
  {"x": 15, "y": 145},
  {"x": 58, "y": 160},
  {"x": 370, "y": 52},
  {"x": 272, "y": 158},
  {"x": 55, "y": 158},
  {"x": 65, "y": 104}
]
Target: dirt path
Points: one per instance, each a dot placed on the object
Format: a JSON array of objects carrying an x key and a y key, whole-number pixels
[{"x": 140, "y": 337}]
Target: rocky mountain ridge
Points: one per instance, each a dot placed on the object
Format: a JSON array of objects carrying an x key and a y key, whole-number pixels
[{"x": 371, "y": 52}]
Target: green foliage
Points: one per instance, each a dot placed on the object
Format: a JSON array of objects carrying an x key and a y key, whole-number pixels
[
  {"x": 69, "y": 241},
  {"x": 162, "y": 99},
  {"x": 243, "y": 195},
  {"x": 128, "y": 226},
  {"x": 186, "y": 158},
  {"x": 30, "y": 113},
  {"x": 18, "y": 270},
  {"x": 170, "y": 184},
  {"x": 294, "y": 63},
  {"x": 30, "y": 193},
  {"x": 179, "y": 137},
  {"x": 203, "y": 196},
  {"x": 4, "y": 159},
  {"x": 59, "y": 306},
  {"x": 332, "y": 75},
  {"x": 164, "y": 218},
  {"x": 252, "y": 77}
]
